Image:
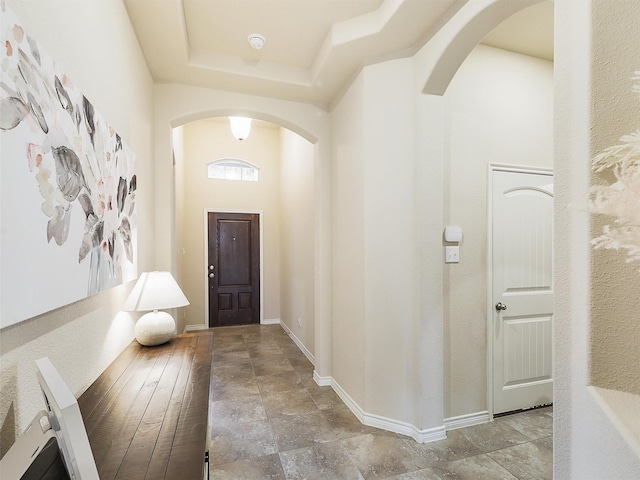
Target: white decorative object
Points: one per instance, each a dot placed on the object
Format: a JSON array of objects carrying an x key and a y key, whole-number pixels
[
  {"x": 154, "y": 328},
  {"x": 155, "y": 291}
]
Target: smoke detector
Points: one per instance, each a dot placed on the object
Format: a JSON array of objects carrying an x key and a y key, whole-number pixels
[{"x": 256, "y": 41}]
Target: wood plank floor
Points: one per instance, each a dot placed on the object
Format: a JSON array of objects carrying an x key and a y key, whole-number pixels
[{"x": 146, "y": 415}]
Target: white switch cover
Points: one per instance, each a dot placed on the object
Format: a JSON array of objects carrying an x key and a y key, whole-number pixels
[{"x": 452, "y": 254}]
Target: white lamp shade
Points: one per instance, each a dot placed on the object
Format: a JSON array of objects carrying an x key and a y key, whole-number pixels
[
  {"x": 240, "y": 127},
  {"x": 155, "y": 291}
]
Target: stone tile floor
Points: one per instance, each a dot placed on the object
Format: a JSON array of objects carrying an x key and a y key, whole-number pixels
[{"x": 270, "y": 420}]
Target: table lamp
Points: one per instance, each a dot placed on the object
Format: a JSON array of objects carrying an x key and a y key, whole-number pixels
[{"x": 155, "y": 291}]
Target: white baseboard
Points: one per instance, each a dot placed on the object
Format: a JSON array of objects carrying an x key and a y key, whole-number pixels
[
  {"x": 271, "y": 321},
  {"x": 298, "y": 343},
  {"x": 430, "y": 434},
  {"x": 348, "y": 401},
  {"x": 377, "y": 421},
  {"x": 467, "y": 420},
  {"x": 194, "y": 328},
  {"x": 321, "y": 381},
  {"x": 384, "y": 423}
]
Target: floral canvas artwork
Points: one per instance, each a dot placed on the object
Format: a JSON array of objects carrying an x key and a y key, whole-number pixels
[
  {"x": 620, "y": 199},
  {"x": 68, "y": 186}
]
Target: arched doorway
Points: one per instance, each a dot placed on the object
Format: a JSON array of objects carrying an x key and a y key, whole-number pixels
[
  {"x": 452, "y": 46},
  {"x": 181, "y": 104}
]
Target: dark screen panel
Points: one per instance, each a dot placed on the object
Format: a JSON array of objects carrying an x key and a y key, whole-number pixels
[{"x": 48, "y": 465}]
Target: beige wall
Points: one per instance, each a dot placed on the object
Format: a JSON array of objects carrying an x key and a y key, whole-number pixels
[
  {"x": 181, "y": 232},
  {"x": 615, "y": 337},
  {"x": 83, "y": 338},
  {"x": 373, "y": 269},
  {"x": 297, "y": 198},
  {"x": 390, "y": 241},
  {"x": 347, "y": 209},
  {"x": 376, "y": 271},
  {"x": 499, "y": 110},
  {"x": 591, "y": 112},
  {"x": 208, "y": 140}
]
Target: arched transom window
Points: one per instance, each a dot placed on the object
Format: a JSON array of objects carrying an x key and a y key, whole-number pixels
[{"x": 233, "y": 169}]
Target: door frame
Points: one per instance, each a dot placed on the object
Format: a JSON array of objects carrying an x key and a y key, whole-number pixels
[
  {"x": 491, "y": 168},
  {"x": 205, "y": 280}
]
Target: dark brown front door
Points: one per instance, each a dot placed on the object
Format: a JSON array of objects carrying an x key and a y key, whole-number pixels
[{"x": 234, "y": 269}]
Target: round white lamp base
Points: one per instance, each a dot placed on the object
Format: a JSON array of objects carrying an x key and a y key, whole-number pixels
[{"x": 154, "y": 328}]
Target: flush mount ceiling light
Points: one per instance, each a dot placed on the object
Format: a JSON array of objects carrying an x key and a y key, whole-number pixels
[
  {"x": 256, "y": 41},
  {"x": 240, "y": 127}
]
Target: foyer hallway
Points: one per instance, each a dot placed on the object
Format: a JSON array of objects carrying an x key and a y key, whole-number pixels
[{"x": 270, "y": 420}]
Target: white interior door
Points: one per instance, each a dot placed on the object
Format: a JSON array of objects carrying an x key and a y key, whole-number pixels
[{"x": 522, "y": 288}]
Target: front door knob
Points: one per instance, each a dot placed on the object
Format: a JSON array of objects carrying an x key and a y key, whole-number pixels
[{"x": 500, "y": 306}]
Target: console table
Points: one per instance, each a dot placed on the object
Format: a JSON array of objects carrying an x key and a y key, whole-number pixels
[{"x": 146, "y": 415}]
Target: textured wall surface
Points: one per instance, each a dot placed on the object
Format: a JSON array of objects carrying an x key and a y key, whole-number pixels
[
  {"x": 586, "y": 443},
  {"x": 615, "y": 287}
]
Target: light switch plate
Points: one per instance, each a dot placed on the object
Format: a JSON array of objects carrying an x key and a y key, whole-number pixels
[{"x": 452, "y": 254}]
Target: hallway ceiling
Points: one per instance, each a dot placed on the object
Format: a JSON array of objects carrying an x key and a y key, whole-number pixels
[{"x": 313, "y": 47}]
